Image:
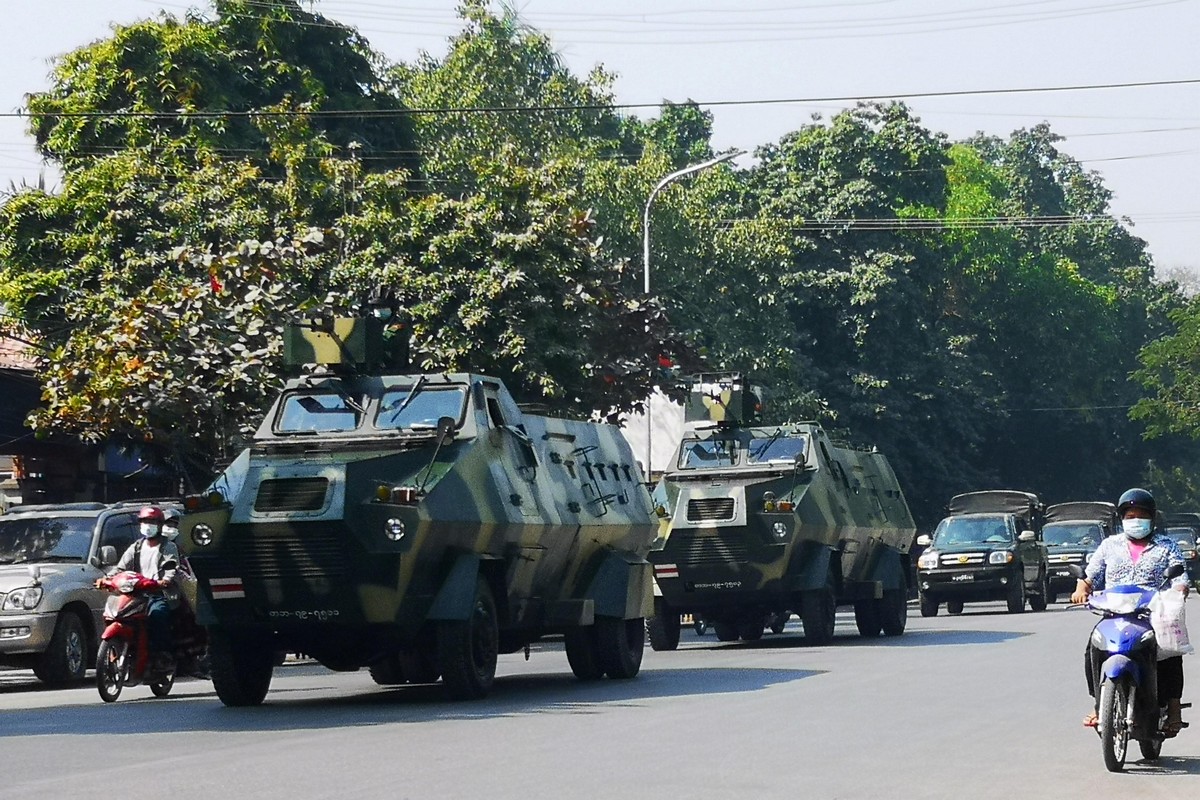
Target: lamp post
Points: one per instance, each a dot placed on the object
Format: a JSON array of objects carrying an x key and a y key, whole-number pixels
[{"x": 674, "y": 176}]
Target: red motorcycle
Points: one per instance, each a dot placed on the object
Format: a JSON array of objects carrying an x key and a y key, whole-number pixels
[{"x": 124, "y": 654}]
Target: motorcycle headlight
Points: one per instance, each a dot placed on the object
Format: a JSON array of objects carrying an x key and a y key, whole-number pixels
[
  {"x": 1146, "y": 637},
  {"x": 23, "y": 599},
  {"x": 928, "y": 560},
  {"x": 202, "y": 534},
  {"x": 1098, "y": 640},
  {"x": 1000, "y": 557}
]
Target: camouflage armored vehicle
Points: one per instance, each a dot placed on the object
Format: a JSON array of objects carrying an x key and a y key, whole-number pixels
[
  {"x": 756, "y": 523},
  {"x": 1072, "y": 533},
  {"x": 418, "y": 525},
  {"x": 989, "y": 547}
]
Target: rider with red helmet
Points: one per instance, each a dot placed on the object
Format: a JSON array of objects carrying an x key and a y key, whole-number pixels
[{"x": 156, "y": 557}]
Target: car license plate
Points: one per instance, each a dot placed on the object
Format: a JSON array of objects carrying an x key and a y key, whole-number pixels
[
  {"x": 966, "y": 576},
  {"x": 1062, "y": 573}
]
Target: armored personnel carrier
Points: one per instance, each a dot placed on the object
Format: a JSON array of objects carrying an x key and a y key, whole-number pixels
[
  {"x": 1072, "y": 533},
  {"x": 757, "y": 523},
  {"x": 417, "y": 525}
]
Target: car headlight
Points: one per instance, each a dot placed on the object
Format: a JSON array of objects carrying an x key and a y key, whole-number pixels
[
  {"x": 1189, "y": 554},
  {"x": 928, "y": 560},
  {"x": 394, "y": 529},
  {"x": 23, "y": 599},
  {"x": 202, "y": 534},
  {"x": 1000, "y": 557}
]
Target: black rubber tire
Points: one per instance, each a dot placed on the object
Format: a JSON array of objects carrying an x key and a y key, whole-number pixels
[
  {"x": 867, "y": 618},
  {"x": 65, "y": 658},
  {"x": 751, "y": 630},
  {"x": 1114, "y": 735},
  {"x": 111, "y": 668},
  {"x": 700, "y": 626},
  {"x": 929, "y": 606},
  {"x": 893, "y": 612},
  {"x": 621, "y": 645},
  {"x": 388, "y": 671},
  {"x": 241, "y": 668},
  {"x": 1016, "y": 596},
  {"x": 726, "y": 631},
  {"x": 1151, "y": 748},
  {"x": 1051, "y": 596},
  {"x": 1038, "y": 602},
  {"x": 162, "y": 688},
  {"x": 583, "y": 653},
  {"x": 468, "y": 649},
  {"x": 818, "y": 614},
  {"x": 954, "y": 607},
  {"x": 664, "y": 627},
  {"x": 778, "y": 621},
  {"x": 419, "y": 665}
]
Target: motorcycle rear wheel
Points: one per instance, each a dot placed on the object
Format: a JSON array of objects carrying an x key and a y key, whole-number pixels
[
  {"x": 112, "y": 668},
  {"x": 162, "y": 687},
  {"x": 1114, "y": 726}
]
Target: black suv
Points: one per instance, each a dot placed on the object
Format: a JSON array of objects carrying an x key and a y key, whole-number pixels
[
  {"x": 50, "y": 556},
  {"x": 988, "y": 548},
  {"x": 1184, "y": 528},
  {"x": 1072, "y": 533}
]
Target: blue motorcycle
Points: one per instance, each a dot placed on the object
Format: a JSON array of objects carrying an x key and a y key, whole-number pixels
[{"x": 1123, "y": 654}]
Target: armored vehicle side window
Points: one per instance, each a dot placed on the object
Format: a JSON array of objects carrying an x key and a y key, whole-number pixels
[
  {"x": 972, "y": 530},
  {"x": 782, "y": 448},
  {"x": 1065, "y": 533},
  {"x": 120, "y": 531},
  {"x": 318, "y": 412},
  {"x": 29, "y": 539},
  {"x": 707, "y": 453},
  {"x": 419, "y": 407}
]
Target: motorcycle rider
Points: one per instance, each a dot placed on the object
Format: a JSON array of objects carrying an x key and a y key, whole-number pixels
[
  {"x": 1140, "y": 557},
  {"x": 155, "y": 557},
  {"x": 171, "y": 524}
]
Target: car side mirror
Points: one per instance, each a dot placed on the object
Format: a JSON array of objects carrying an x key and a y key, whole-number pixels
[
  {"x": 1027, "y": 536},
  {"x": 924, "y": 540},
  {"x": 107, "y": 557},
  {"x": 445, "y": 430}
]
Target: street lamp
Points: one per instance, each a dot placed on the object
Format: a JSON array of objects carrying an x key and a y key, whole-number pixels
[{"x": 674, "y": 176}]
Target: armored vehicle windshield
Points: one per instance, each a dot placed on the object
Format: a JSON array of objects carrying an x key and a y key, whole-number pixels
[
  {"x": 972, "y": 530},
  {"x": 1072, "y": 533},
  {"x": 744, "y": 447}
]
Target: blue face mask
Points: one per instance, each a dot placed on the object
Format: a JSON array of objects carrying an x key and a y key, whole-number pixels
[{"x": 1136, "y": 528}]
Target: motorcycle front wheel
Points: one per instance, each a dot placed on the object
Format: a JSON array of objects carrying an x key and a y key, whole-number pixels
[
  {"x": 112, "y": 666},
  {"x": 1114, "y": 723},
  {"x": 162, "y": 686}
]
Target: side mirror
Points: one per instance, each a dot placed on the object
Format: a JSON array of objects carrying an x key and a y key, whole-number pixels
[
  {"x": 445, "y": 430},
  {"x": 1173, "y": 571},
  {"x": 108, "y": 556},
  {"x": 1027, "y": 536},
  {"x": 924, "y": 540}
]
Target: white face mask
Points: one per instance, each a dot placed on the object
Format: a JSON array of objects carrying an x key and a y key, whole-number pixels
[
  {"x": 170, "y": 532},
  {"x": 148, "y": 530},
  {"x": 1136, "y": 528}
]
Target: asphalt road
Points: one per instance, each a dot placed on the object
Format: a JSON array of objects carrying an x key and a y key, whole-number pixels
[{"x": 982, "y": 705}]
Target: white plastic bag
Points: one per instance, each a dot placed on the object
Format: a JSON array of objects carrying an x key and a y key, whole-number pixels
[{"x": 1170, "y": 626}]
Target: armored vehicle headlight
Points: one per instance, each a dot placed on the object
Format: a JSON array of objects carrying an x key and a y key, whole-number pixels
[
  {"x": 23, "y": 599},
  {"x": 928, "y": 560},
  {"x": 780, "y": 530},
  {"x": 202, "y": 534},
  {"x": 1000, "y": 557},
  {"x": 394, "y": 529}
]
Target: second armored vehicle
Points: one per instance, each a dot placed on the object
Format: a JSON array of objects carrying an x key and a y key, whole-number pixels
[
  {"x": 1072, "y": 533},
  {"x": 760, "y": 522},
  {"x": 418, "y": 525}
]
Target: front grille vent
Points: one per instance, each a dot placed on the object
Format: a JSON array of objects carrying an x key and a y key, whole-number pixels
[
  {"x": 960, "y": 559},
  {"x": 693, "y": 550},
  {"x": 291, "y": 494},
  {"x": 710, "y": 508},
  {"x": 271, "y": 551}
]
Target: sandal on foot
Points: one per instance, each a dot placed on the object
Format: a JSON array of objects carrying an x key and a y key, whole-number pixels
[{"x": 1091, "y": 720}]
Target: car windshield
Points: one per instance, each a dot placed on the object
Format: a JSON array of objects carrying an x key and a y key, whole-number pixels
[
  {"x": 417, "y": 407},
  {"x": 318, "y": 412},
  {"x": 1067, "y": 533},
  {"x": 780, "y": 448},
  {"x": 972, "y": 530},
  {"x": 28, "y": 539},
  {"x": 1183, "y": 536},
  {"x": 707, "y": 453}
]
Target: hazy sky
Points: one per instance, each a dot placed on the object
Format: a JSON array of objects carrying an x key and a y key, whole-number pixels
[{"x": 1144, "y": 141}]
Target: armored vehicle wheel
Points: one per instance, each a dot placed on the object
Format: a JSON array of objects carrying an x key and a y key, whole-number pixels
[
  {"x": 893, "y": 611},
  {"x": 621, "y": 644},
  {"x": 419, "y": 665},
  {"x": 699, "y": 625},
  {"x": 65, "y": 659},
  {"x": 387, "y": 671},
  {"x": 1037, "y": 602},
  {"x": 241, "y": 668},
  {"x": 111, "y": 668},
  {"x": 1051, "y": 597},
  {"x": 954, "y": 607},
  {"x": 583, "y": 653},
  {"x": 929, "y": 606},
  {"x": 777, "y": 622},
  {"x": 1016, "y": 596},
  {"x": 467, "y": 649},
  {"x": 818, "y": 614},
  {"x": 867, "y": 618},
  {"x": 726, "y": 631},
  {"x": 664, "y": 626},
  {"x": 751, "y": 630},
  {"x": 162, "y": 686}
]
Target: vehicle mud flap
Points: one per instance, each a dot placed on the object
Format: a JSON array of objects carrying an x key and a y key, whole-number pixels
[
  {"x": 1116, "y": 666},
  {"x": 456, "y": 598},
  {"x": 812, "y": 568},
  {"x": 622, "y": 587},
  {"x": 204, "y": 611}
]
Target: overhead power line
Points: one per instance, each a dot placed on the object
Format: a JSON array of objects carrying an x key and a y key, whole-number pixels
[{"x": 398, "y": 112}]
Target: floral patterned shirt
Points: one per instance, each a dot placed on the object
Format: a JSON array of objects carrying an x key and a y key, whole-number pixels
[{"x": 1112, "y": 565}]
